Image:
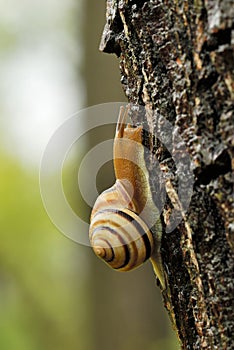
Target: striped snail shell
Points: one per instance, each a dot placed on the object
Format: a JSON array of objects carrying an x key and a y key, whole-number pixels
[
  {"x": 117, "y": 234},
  {"x": 122, "y": 215}
]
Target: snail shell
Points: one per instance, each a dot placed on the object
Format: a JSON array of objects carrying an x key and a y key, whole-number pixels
[{"x": 117, "y": 234}]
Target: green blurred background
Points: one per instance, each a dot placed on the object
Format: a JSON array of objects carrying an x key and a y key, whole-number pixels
[{"x": 54, "y": 293}]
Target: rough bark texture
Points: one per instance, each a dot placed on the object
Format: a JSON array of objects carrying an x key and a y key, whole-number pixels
[{"x": 176, "y": 58}]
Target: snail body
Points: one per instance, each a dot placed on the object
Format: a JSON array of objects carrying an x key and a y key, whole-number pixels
[{"x": 122, "y": 215}]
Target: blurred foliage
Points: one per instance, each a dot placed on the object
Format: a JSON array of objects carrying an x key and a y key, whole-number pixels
[{"x": 43, "y": 292}]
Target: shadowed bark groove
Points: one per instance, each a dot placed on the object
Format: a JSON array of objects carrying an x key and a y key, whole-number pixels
[{"x": 176, "y": 58}]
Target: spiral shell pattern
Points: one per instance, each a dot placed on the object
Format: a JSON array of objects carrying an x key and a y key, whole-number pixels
[{"x": 121, "y": 238}]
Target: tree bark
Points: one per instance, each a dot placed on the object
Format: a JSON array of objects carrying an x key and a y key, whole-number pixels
[{"x": 176, "y": 59}]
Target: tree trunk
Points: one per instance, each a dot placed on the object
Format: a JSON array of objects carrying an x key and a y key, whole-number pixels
[{"x": 176, "y": 60}]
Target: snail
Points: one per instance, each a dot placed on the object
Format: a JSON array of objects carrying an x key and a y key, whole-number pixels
[{"x": 122, "y": 217}]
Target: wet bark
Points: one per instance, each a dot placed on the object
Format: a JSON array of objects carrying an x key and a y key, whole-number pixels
[{"x": 176, "y": 59}]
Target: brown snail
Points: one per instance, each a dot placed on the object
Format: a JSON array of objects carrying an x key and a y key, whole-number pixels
[{"x": 123, "y": 214}]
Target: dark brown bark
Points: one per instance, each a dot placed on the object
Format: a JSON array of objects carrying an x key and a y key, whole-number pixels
[{"x": 176, "y": 58}]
